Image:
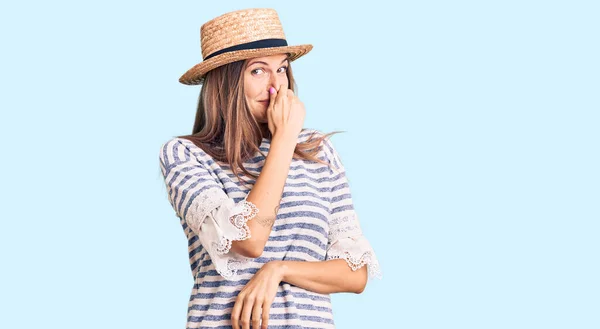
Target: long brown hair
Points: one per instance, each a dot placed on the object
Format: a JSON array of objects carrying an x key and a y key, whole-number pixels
[{"x": 225, "y": 127}]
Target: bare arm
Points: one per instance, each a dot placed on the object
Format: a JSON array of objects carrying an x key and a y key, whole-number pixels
[
  {"x": 323, "y": 277},
  {"x": 285, "y": 118},
  {"x": 266, "y": 196},
  {"x": 253, "y": 303}
]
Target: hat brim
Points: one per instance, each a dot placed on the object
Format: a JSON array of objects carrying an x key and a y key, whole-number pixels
[{"x": 195, "y": 75}]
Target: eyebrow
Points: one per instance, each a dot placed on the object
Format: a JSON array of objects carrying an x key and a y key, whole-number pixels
[{"x": 261, "y": 62}]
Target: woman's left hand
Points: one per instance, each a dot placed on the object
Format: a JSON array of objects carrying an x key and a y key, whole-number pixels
[{"x": 253, "y": 303}]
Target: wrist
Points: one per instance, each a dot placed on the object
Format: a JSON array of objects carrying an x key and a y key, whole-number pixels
[
  {"x": 283, "y": 146},
  {"x": 286, "y": 138},
  {"x": 280, "y": 267}
]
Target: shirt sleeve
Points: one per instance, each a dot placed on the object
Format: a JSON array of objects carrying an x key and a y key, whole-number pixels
[
  {"x": 346, "y": 240},
  {"x": 199, "y": 200}
]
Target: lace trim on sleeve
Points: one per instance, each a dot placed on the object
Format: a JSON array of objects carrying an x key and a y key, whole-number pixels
[
  {"x": 239, "y": 221},
  {"x": 348, "y": 242},
  {"x": 357, "y": 252},
  {"x": 218, "y": 221},
  {"x": 228, "y": 265},
  {"x": 233, "y": 266}
]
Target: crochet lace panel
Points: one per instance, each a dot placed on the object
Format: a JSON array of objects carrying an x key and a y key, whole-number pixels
[
  {"x": 356, "y": 261},
  {"x": 239, "y": 220},
  {"x": 344, "y": 226},
  {"x": 204, "y": 203},
  {"x": 233, "y": 266},
  {"x": 241, "y": 213},
  {"x": 347, "y": 242}
]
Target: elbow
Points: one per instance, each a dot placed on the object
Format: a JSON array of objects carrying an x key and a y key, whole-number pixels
[
  {"x": 248, "y": 248},
  {"x": 360, "y": 288},
  {"x": 361, "y": 280},
  {"x": 253, "y": 252}
]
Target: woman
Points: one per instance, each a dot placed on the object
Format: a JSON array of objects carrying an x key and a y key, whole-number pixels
[{"x": 270, "y": 241}]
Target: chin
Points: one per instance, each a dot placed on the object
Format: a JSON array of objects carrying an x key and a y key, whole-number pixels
[{"x": 261, "y": 116}]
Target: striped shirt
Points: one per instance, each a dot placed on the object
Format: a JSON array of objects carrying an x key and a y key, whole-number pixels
[{"x": 316, "y": 221}]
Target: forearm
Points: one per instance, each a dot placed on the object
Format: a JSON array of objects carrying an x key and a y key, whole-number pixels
[
  {"x": 324, "y": 277},
  {"x": 266, "y": 195}
]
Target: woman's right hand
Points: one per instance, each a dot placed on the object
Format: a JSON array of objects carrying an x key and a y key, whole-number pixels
[{"x": 285, "y": 113}]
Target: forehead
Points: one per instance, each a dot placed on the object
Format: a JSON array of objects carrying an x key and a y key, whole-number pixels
[{"x": 273, "y": 59}]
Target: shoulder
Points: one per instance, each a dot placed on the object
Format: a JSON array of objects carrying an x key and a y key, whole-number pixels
[
  {"x": 326, "y": 147},
  {"x": 172, "y": 146},
  {"x": 309, "y": 133},
  {"x": 177, "y": 149},
  {"x": 175, "y": 141}
]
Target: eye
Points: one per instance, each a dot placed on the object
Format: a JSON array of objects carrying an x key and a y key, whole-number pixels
[{"x": 255, "y": 71}]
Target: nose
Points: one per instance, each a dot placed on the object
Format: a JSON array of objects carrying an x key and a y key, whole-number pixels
[{"x": 277, "y": 80}]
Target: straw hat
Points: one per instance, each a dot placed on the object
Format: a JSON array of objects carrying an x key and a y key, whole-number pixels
[{"x": 238, "y": 35}]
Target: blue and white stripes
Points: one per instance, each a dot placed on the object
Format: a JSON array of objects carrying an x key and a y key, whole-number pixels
[{"x": 316, "y": 221}]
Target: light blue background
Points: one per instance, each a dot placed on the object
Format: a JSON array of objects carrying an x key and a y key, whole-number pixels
[{"x": 472, "y": 149}]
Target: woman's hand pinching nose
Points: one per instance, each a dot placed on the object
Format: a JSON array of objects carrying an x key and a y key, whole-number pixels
[{"x": 285, "y": 113}]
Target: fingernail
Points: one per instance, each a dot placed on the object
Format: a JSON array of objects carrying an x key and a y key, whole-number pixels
[{"x": 272, "y": 90}]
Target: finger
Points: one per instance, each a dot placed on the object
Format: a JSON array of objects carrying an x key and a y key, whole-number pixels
[
  {"x": 272, "y": 96},
  {"x": 270, "y": 121},
  {"x": 285, "y": 93},
  {"x": 247, "y": 312},
  {"x": 236, "y": 311},
  {"x": 285, "y": 102},
  {"x": 279, "y": 97},
  {"x": 292, "y": 99},
  {"x": 266, "y": 309},
  {"x": 256, "y": 315}
]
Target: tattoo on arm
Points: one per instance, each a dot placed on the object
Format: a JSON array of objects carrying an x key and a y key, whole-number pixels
[{"x": 267, "y": 221}]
